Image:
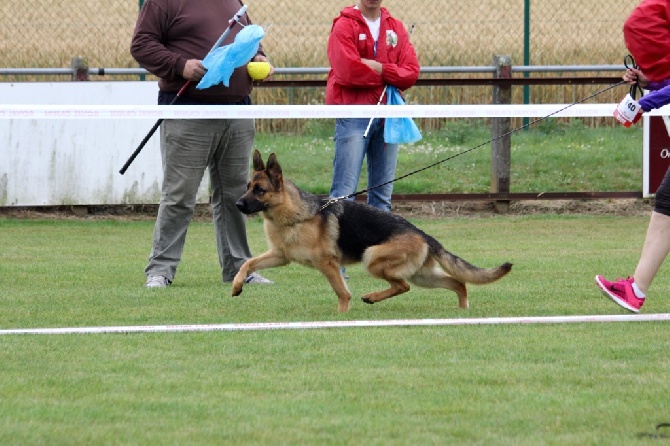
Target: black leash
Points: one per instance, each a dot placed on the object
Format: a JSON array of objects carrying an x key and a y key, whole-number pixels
[
  {"x": 334, "y": 200},
  {"x": 629, "y": 63}
]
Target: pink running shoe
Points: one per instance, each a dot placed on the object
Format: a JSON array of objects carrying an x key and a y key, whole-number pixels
[{"x": 621, "y": 292}]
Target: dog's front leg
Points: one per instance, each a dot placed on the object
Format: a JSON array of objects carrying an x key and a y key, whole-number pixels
[
  {"x": 269, "y": 259},
  {"x": 332, "y": 272}
]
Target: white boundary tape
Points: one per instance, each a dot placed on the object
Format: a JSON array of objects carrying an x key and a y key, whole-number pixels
[
  {"x": 39, "y": 111},
  {"x": 257, "y": 326}
]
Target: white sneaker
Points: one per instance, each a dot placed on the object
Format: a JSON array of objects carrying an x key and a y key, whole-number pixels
[
  {"x": 255, "y": 278},
  {"x": 157, "y": 282}
]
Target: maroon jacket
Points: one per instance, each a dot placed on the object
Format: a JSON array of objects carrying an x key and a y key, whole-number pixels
[
  {"x": 169, "y": 32},
  {"x": 350, "y": 81}
]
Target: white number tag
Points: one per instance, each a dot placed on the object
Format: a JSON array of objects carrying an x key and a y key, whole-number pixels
[{"x": 628, "y": 112}]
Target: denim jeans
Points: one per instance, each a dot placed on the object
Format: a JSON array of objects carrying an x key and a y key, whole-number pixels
[{"x": 350, "y": 149}]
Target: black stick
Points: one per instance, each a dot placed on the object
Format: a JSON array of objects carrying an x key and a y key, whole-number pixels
[
  {"x": 140, "y": 147},
  {"x": 231, "y": 23},
  {"x": 151, "y": 132}
]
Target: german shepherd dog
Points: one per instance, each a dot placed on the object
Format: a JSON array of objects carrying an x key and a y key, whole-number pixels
[{"x": 301, "y": 228}]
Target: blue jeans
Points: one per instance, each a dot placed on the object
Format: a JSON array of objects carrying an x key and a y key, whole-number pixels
[{"x": 350, "y": 149}]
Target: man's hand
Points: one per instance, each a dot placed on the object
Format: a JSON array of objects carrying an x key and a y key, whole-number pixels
[
  {"x": 194, "y": 70},
  {"x": 261, "y": 58}
]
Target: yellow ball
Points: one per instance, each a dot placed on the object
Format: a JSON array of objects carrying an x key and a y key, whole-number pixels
[{"x": 258, "y": 70}]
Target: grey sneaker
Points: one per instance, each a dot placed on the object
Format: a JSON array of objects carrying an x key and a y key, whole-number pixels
[
  {"x": 157, "y": 282},
  {"x": 255, "y": 278}
]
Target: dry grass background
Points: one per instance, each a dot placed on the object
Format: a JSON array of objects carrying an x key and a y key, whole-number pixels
[{"x": 49, "y": 33}]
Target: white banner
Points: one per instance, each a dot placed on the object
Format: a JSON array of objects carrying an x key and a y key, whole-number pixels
[{"x": 117, "y": 112}]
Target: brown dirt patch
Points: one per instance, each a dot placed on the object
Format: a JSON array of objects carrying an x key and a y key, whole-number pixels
[
  {"x": 621, "y": 207},
  {"x": 416, "y": 209}
]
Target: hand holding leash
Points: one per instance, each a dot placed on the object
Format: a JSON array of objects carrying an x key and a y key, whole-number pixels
[
  {"x": 628, "y": 112},
  {"x": 634, "y": 76}
]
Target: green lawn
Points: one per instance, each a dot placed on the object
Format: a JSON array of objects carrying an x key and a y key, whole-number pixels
[
  {"x": 586, "y": 383},
  {"x": 549, "y": 157}
]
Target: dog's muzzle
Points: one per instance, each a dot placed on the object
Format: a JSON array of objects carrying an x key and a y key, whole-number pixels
[{"x": 249, "y": 206}]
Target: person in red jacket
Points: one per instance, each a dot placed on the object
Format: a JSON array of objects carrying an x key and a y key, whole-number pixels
[
  {"x": 367, "y": 49},
  {"x": 647, "y": 36}
]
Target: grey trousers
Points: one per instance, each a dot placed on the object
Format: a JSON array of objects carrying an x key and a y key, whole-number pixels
[{"x": 188, "y": 147}]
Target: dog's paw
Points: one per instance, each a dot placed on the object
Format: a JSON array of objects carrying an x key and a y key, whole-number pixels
[
  {"x": 237, "y": 290},
  {"x": 367, "y": 300}
]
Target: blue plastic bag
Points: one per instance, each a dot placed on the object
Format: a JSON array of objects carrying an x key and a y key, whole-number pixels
[
  {"x": 399, "y": 130},
  {"x": 221, "y": 62}
]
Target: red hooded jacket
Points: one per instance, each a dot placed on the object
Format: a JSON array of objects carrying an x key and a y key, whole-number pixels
[
  {"x": 350, "y": 81},
  {"x": 647, "y": 36}
]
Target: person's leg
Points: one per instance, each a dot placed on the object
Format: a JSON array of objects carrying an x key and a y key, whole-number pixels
[
  {"x": 657, "y": 241},
  {"x": 382, "y": 162},
  {"x": 654, "y": 251},
  {"x": 349, "y": 153},
  {"x": 185, "y": 147},
  {"x": 229, "y": 174},
  {"x": 630, "y": 293}
]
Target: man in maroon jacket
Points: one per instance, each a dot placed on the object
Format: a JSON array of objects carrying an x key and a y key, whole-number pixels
[
  {"x": 170, "y": 40},
  {"x": 367, "y": 50}
]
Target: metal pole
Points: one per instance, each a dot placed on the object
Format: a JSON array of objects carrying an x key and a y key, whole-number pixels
[
  {"x": 526, "y": 52},
  {"x": 143, "y": 77}
]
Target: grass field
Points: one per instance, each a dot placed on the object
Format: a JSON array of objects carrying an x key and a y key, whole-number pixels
[
  {"x": 581, "y": 384},
  {"x": 604, "y": 383},
  {"x": 549, "y": 157}
]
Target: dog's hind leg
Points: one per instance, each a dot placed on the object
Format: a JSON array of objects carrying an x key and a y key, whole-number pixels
[
  {"x": 394, "y": 261},
  {"x": 444, "y": 281},
  {"x": 331, "y": 270},
  {"x": 397, "y": 287},
  {"x": 431, "y": 275}
]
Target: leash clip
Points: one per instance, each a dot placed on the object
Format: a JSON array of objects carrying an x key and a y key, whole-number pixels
[
  {"x": 331, "y": 201},
  {"x": 336, "y": 199}
]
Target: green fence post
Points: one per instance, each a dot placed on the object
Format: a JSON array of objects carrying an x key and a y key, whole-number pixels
[{"x": 526, "y": 54}]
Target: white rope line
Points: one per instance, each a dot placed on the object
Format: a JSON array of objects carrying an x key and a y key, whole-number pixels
[
  {"x": 42, "y": 111},
  {"x": 258, "y": 326}
]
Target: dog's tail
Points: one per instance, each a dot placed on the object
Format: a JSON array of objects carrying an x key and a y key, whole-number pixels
[{"x": 466, "y": 272}]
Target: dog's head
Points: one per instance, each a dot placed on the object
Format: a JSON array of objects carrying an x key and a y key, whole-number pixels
[{"x": 265, "y": 187}]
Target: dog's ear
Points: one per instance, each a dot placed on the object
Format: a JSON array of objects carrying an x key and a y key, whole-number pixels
[
  {"x": 258, "y": 161},
  {"x": 274, "y": 171}
]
